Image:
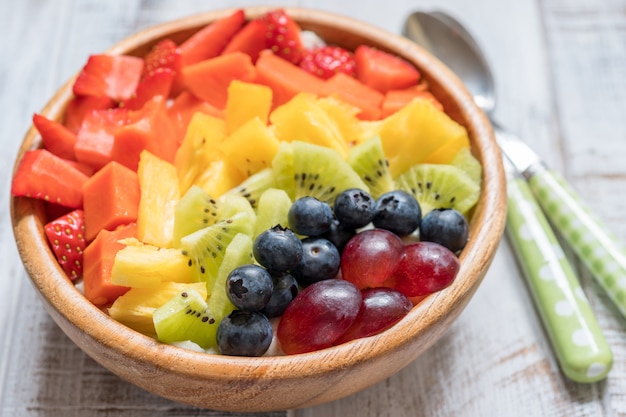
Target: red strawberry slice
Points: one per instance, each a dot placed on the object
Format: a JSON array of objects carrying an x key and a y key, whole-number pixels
[
  {"x": 283, "y": 36},
  {"x": 166, "y": 55},
  {"x": 43, "y": 175},
  {"x": 328, "y": 61},
  {"x": 55, "y": 137},
  {"x": 209, "y": 41},
  {"x": 383, "y": 71},
  {"x": 113, "y": 76},
  {"x": 156, "y": 83},
  {"x": 66, "y": 235}
]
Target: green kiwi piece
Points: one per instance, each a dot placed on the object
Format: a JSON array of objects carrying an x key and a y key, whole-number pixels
[
  {"x": 206, "y": 247},
  {"x": 238, "y": 253},
  {"x": 273, "y": 209},
  {"x": 304, "y": 169},
  {"x": 369, "y": 161},
  {"x": 468, "y": 163},
  {"x": 194, "y": 211},
  {"x": 440, "y": 186},
  {"x": 186, "y": 316},
  {"x": 252, "y": 187}
]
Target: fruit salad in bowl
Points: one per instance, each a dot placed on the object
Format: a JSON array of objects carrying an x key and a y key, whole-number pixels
[{"x": 258, "y": 199}]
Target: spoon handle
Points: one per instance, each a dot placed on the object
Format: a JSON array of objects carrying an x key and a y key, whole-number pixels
[{"x": 579, "y": 345}]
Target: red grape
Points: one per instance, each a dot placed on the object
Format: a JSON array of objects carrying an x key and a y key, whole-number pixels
[
  {"x": 370, "y": 257},
  {"x": 318, "y": 316},
  {"x": 381, "y": 308},
  {"x": 426, "y": 267}
]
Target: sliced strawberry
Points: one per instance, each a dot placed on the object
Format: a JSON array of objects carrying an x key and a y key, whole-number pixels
[
  {"x": 383, "y": 71},
  {"x": 156, "y": 83},
  {"x": 81, "y": 105},
  {"x": 283, "y": 36},
  {"x": 328, "y": 61},
  {"x": 250, "y": 39},
  {"x": 45, "y": 176},
  {"x": 66, "y": 235},
  {"x": 113, "y": 76},
  {"x": 94, "y": 142},
  {"x": 209, "y": 41},
  {"x": 55, "y": 137},
  {"x": 166, "y": 54}
]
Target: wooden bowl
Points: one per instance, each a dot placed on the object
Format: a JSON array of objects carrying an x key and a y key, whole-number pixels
[{"x": 285, "y": 382}]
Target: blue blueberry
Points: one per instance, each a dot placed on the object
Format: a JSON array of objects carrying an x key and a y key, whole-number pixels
[
  {"x": 249, "y": 287},
  {"x": 285, "y": 290},
  {"x": 278, "y": 249},
  {"x": 354, "y": 208},
  {"x": 397, "y": 211},
  {"x": 321, "y": 261},
  {"x": 244, "y": 333},
  {"x": 447, "y": 227},
  {"x": 309, "y": 216},
  {"x": 339, "y": 235}
]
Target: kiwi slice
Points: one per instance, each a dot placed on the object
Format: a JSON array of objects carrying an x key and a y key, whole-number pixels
[
  {"x": 440, "y": 186},
  {"x": 369, "y": 161},
  {"x": 186, "y": 316},
  {"x": 252, "y": 187},
  {"x": 465, "y": 160},
  {"x": 273, "y": 209},
  {"x": 304, "y": 169},
  {"x": 205, "y": 248},
  {"x": 194, "y": 211}
]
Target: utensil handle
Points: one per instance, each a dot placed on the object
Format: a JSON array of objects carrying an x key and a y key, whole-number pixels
[
  {"x": 599, "y": 250},
  {"x": 579, "y": 345}
]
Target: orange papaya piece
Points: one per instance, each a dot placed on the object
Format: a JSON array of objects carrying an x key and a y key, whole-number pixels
[
  {"x": 182, "y": 109},
  {"x": 94, "y": 142},
  {"x": 396, "y": 99},
  {"x": 251, "y": 39},
  {"x": 354, "y": 92}
]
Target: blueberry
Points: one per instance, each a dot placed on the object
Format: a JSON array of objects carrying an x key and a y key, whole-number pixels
[
  {"x": 309, "y": 216},
  {"x": 321, "y": 261},
  {"x": 447, "y": 227},
  {"x": 339, "y": 235},
  {"x": 244, "y": 333},
  {"x": 354, "y": 208},
  {"x": 277, "y": 249},
  {"x": 285, "y": 289},
  {"x": 249, "y": 287},
  {"x": 397, "y": 211}
]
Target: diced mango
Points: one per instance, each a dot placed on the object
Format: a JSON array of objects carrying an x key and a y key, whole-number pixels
[{"x": 245, "y": 102}]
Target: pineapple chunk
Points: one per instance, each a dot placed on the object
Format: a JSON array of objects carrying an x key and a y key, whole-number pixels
[
  {"x": 159, "y": 186},
  {"x": 135, "y": 308},
  {"x": 344, "y": 116},
  {"x": 199, "y": 147},
  {"x": 218, "y": 177},
  {"x": 145, "y": 266},
  {"x": 250, "y": 148},
  {"x": 303, "y": 119},
  {"x": 245, "y": 102},
  {"x": 415, "y": 132}
]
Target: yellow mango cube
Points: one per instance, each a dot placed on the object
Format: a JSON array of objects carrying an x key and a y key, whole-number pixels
[{"x": 245, "y": 102}]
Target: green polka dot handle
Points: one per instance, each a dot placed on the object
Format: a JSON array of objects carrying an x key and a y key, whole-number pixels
[
  {"x": 577, "y": 340},
  {"x": 595, "y": 245}
]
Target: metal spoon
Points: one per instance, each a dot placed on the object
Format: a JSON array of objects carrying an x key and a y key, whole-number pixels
[{"x": 578, "y": 342}]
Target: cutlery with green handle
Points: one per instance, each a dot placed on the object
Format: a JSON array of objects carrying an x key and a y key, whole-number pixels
[{"x": 579, "y": 345}]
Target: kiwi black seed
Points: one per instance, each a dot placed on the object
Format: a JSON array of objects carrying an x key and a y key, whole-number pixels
[{"x": 368, "y": 160}]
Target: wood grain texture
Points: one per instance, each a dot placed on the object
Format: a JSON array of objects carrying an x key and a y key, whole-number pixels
[{"x": 559, "y": 66}]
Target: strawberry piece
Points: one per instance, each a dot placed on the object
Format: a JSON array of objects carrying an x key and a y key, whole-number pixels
[
  {"x": 328, "y": 61},
  {"x": 166, "y": 55},
  {"x": 283, "y": 36},
  {"x": 113, "y": 76},
  {"x": 66, "y": 235},
  {"x": 383, "y": 71},
  {"x": 55, "y": 137},
  {"x": 79, "y": 106},
  {"x": 45, "y": 176},
  {"x": 250, "y": 39},
  {"x": 156, "y": 83},
  {"x": 209, "y": 41}
]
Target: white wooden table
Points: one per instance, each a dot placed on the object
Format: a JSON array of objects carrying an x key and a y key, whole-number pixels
[{"x": 560, "y": 68}]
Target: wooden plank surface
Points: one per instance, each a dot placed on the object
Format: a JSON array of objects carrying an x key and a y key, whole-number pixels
[{"x": 559, "y": 66}]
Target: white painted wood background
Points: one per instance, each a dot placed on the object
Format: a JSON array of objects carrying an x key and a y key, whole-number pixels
[{"x": 560, "y": 68}]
